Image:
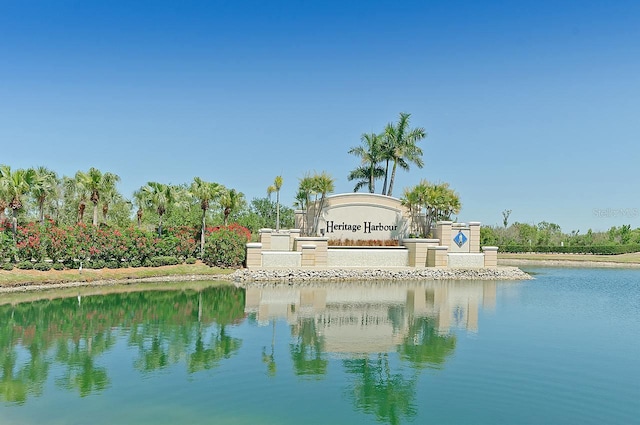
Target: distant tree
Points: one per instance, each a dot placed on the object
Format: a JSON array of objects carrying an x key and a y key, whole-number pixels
[
  {"x": 230, "y": 200},
  {"x": 275, "y": 187},
  {"x": 400, "y": 148},
  {"x": 436, "y": 201},
  {"x": 205, "y": 192},
  {"x": 370, "y": 153},
  {"x": 44, "y": 187},
  {"x": 158, "y": 197},
  {"x": 93, "y": 183},
  {"x": 505, "y": 217},
  {"x": 15, "y": 185}
]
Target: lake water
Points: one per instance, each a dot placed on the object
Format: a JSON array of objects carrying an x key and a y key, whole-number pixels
[{"x": 561, "y": 349}]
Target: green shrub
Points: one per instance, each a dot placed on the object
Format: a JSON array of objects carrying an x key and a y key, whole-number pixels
[
  {"x": 163, "y": 260},
  {"x": 57, "y": 266},
  {"x": 96, "y": 264},
  {"x": 25, "y": 265},
  {"x": 113, "y": 264},
  {"x": 224, "y": 248},
  {"x": 7, "y": 266},
  {"x": 135, "y": 263},
  {"x": 190, "y": 260},
  {"x": 43, "y": 267}
]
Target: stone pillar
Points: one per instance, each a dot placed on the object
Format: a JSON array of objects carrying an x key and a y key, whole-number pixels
[
  {"x": 293, "y": 234},
  {"x": 474, "y": 236},
  {"x": 437, "y": 256},
  {"x": 265, "y": 238},
  {"x": 443, "y": 232},
  {"x": 490, "y": 256},
  {"x": 308, "y": 255},
  {"x": 254, "y": 255},
  {"x": 321, "y": 245},
  {"x": 418, "y": 250}
]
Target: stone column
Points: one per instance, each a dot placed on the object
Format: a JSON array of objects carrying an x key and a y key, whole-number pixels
[
  {"x": 474, "y": 236},
  {"x": 308, "y": 255},
  {"x": 265, "y": 238},
  {"x": 293, "y": 234},
  {"x": 443, "y": 232},
  {"x": 254, "y": 255},
  {"x": 490, "y": 256},
  {"x": 321, "y": 245},
  {"x": 437, "y": 256},
  {"x": 418, "y": 250}
]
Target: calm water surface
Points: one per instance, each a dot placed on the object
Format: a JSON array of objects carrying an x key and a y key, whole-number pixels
[{"x": 563, "y": 348}]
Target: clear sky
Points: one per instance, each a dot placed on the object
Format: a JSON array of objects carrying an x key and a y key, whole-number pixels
[{"x": 531, "y": 106}]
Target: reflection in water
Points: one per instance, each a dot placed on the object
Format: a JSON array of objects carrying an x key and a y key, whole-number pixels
[
  {"x": 363, "y": 326},
  {"x": 381, "y": 336},
  {"x": 166, "y": 327}
]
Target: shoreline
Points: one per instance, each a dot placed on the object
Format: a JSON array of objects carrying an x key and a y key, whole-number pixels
[
  {"x": 246, "y": 277},
  {"x": 516, "y": 262}
]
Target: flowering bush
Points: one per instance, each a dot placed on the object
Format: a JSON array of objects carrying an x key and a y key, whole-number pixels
[
  {"x": 234, "y": 227},
  {"x": 224, "y": 248},
  {"x": 29, "y": 243},
  {"x": 113, "y": 247}
]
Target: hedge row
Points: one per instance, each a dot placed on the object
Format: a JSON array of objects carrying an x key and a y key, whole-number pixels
[
  {"x": 594, "y": 249},
  {"x": 114, "y": 248}
]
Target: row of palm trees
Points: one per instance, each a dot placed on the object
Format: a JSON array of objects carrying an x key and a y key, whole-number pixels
[
  {"x": 381, "y": 154},
  {"x": 50, "y": 194}
]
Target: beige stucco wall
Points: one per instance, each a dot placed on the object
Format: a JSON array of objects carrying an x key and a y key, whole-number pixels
[{"x": 361, "y": 216}]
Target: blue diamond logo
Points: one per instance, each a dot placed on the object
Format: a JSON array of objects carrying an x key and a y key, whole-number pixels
[{"x": 460, "y": 239}]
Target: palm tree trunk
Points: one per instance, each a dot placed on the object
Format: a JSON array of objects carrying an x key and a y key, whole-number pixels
[
  {"x": 278, "y": 211},
  {"x": 386, "y": 176},
  {"x": 204, "y": 212},
  {"x": 393, "y": 177},
  {"x": 41, "y": 210},
  {"x": 95, "y": 214}
]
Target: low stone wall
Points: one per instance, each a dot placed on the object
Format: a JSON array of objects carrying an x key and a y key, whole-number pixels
[
  {"x": 367, "y": 257},
  {"x": 290, "y": 276},
  {"x": 280, "y": 259},
  {"x": 465, "y": 261}
]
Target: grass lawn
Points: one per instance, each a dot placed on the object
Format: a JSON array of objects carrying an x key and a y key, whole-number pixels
[
  {"x": 621, "y": 258},
  {"x": 18, "y": 277}
]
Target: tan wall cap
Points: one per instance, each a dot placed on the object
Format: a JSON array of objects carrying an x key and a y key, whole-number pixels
[
  {"x": 444, "y": 222},
  {"x": 475, "y": 223},
  {"x": 265, "y": 230},
  {"x": 254, "y": 245},
  {"x": 438, "y": 248},
  {"x": 489, "y": 248},
  {"x": 421, "y": 240}
]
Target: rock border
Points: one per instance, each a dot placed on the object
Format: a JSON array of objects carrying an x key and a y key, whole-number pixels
[{"x": 246, "y": 277}]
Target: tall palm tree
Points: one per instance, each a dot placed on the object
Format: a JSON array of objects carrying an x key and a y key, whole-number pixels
[
  {"x": 159, "y": 197},
  {"x": 16, "y": 184},
  {"x": 74, "y": 194},
  {"x": 45, "y": 187},
  {"x": 400, "y": 148},
  {"x": 371, "y": 154},
  {"x": 323, "y": 184},
  {"x": 139, "y": 200},
  {"x": 93, "y": 182},
  {"x": 110, "y": 197},
  {"x": 275, "y": 187},
  {"x": 230, "y": 201},
  {"x": 303, "y": 201},
  {"x": 205, "y": 192}
]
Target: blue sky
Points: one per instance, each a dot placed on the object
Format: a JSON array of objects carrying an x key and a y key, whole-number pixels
[{"x": 528, "y": 106}]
